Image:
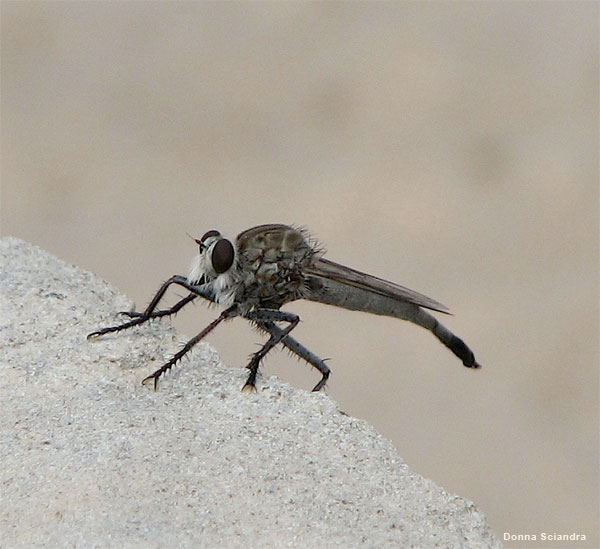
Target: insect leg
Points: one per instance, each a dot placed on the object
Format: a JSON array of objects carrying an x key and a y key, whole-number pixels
[
  {"x": 149, "y": 312},
  {"x": 300, "y": 350},
  {"x": 227, "y": 313},
  {"x": 267, "y": 315},
  {"x": 163, "y": 312}
]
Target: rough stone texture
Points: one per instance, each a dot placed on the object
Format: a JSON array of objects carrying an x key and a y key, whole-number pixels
[{"x": 90, "y": 457}]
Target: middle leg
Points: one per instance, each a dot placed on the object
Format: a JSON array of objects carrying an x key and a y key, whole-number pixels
[{"x": 226, "y": 314}]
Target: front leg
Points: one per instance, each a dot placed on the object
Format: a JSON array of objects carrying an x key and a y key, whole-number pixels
[
  {"x": 267, "y": 316},
  {"x": 163, "y": 312},
  {"x": 149, "y": 312}
]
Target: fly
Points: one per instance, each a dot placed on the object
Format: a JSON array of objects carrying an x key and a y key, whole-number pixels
[{"x": 269, "y": 266}]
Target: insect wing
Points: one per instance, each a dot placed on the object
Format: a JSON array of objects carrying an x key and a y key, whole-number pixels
[{"x": 325, "y": 268}]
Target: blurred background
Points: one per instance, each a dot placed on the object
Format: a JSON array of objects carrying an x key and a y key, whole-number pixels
[{"x": 448, "y": 147}]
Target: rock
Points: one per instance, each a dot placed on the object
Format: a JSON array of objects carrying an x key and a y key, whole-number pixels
[{"x": 90, "y": 457}]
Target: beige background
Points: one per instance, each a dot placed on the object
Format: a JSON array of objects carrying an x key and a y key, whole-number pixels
[{"x": 452, "y": 148}]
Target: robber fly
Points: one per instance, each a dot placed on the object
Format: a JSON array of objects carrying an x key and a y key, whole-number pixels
[{"x": 271, "y": 265}]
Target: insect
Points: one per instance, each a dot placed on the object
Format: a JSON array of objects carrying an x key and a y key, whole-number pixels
[{"x": 271, "y": 265}]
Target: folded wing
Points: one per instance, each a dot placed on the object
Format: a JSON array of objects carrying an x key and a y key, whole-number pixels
[{"x": 336, "y": 284}]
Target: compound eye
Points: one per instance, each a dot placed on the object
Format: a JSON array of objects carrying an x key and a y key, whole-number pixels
[
  {"x": 222, "y": 256},
  {"x": 202, "y": 242}
]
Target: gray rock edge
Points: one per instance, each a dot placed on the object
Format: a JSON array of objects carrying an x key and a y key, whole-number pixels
[{"x": 91, "y": 458}]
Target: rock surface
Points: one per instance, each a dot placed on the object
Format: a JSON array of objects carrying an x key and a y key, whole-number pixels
[{"x": 90, "y": 457}]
